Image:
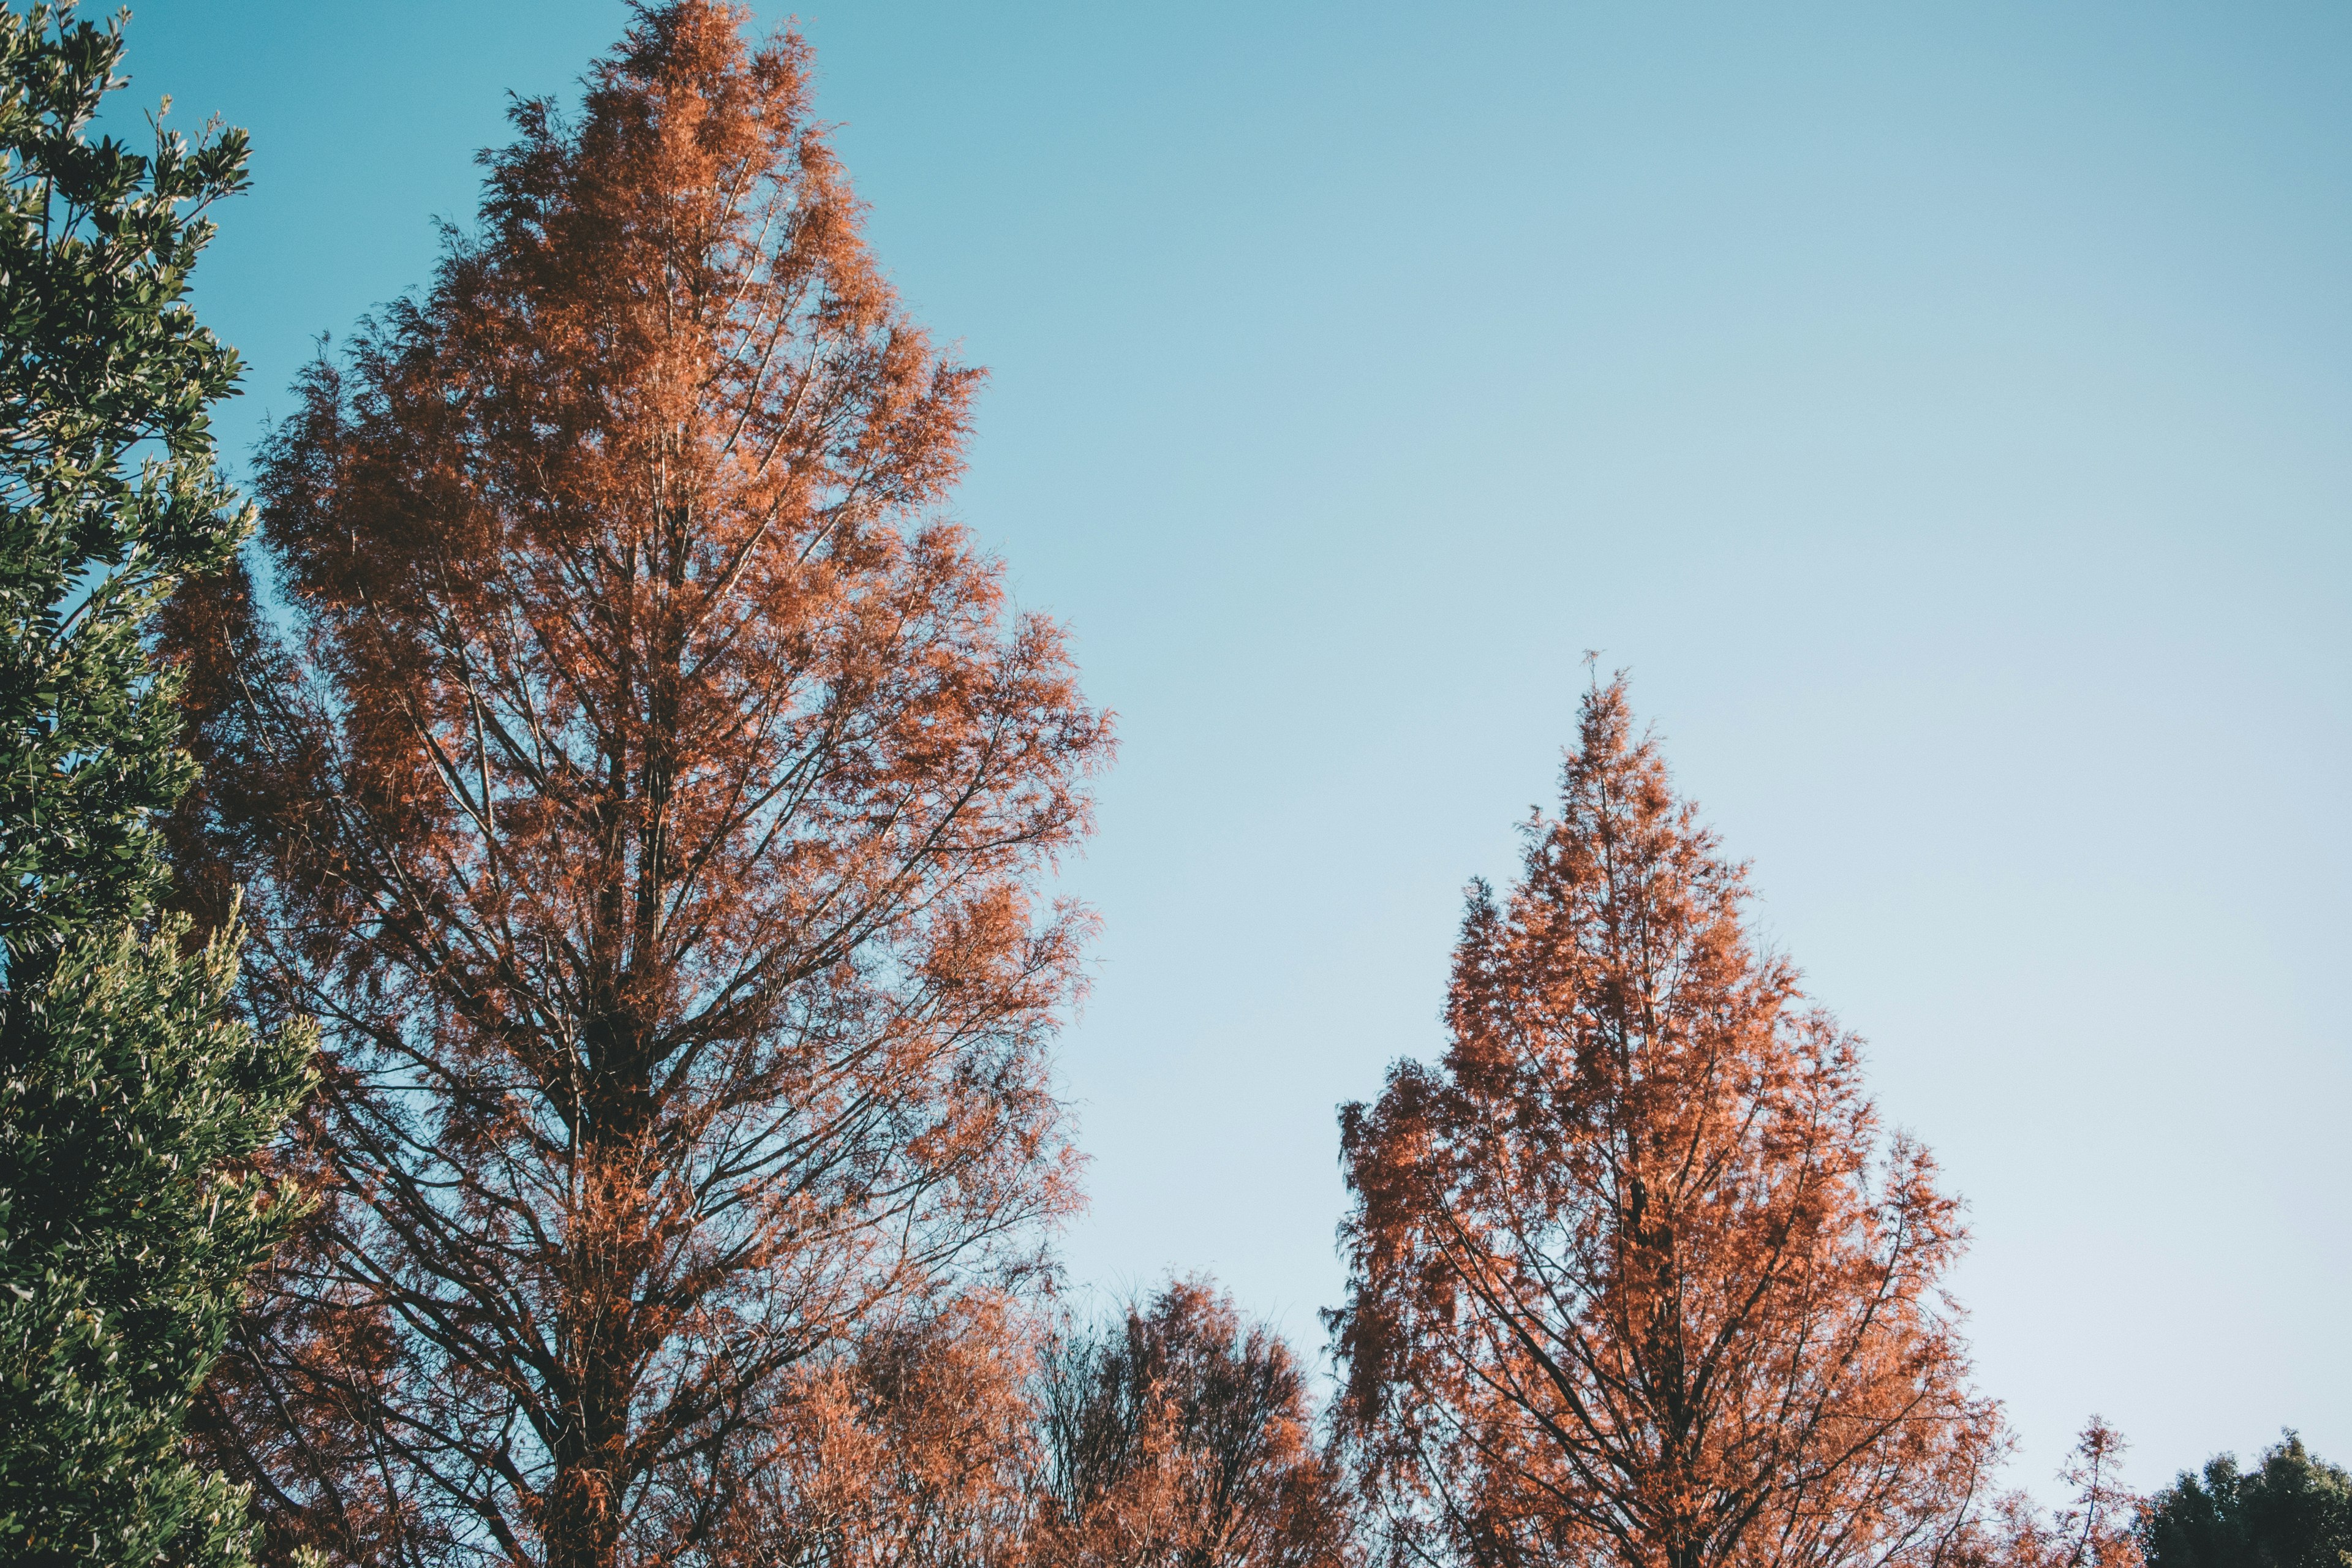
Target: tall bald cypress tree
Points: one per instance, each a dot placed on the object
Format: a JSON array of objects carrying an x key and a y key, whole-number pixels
[{"x": 130, "y": 1099}]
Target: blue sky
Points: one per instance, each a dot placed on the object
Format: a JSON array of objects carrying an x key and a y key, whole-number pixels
[{"x": 1944, "y": 413}]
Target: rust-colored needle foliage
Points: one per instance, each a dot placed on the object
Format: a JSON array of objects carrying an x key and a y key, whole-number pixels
[
  {"x": 1177, "y": 1438},
  {"x": 1635, "y": 1276},
  {"x": 2098, "y": 1528},
  {"x": 647, "y": 799},
  {"x": 918, "y": 1450}
]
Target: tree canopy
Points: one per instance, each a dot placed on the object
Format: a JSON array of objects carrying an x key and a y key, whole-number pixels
[
  {"x": 130, "y": 1102},
  {"x": 2292, "y": 1509},
  {"x": 1177, "y": 1436},
  {"x": 649, "y": 792},
  {"x": 1635, "y": 1274}
]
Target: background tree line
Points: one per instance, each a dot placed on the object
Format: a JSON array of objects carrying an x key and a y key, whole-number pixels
[{"x": 530, "y": 996}]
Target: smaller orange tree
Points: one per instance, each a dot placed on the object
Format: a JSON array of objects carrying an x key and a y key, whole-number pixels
[
  {"x": 1635, "y": 1273},
  {"x": 2102, "y": 1527},
  {"x": 1179, "y": 1437}
]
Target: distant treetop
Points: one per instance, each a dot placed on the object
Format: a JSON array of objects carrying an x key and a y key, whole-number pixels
[{"x": 2293, "y": 1509}]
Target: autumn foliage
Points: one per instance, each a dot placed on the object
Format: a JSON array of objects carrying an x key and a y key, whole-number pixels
[
  {"x": 652, "y": 795},
  {"x": 1637, "y": 1276},
  {"x": 2101, "y": 1525},
  {"x": 648, "y": 796},
  {"x": 1178, "y": 1436},
  {"x": 916, "y": 1448}
]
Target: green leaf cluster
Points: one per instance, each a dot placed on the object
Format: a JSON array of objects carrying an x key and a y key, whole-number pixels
[
  {"x": 131, "y": 1100},
  {"x": 2293, "y": 1509},
  {"x": 107, "y": 489}
]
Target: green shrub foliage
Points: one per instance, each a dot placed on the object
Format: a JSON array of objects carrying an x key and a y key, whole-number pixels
[{"x": 131, "y": 1101}]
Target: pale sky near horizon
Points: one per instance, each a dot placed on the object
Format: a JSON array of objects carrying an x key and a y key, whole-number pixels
[{"x": 1944, "y": 413}]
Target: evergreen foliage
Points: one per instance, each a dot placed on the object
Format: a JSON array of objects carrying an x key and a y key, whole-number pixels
[
  {"x": 130, "y": 1101},
  {"x": 2291, "y": 1510}
]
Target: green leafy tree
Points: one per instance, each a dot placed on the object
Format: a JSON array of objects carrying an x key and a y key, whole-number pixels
[
  {"x": 2291, "y": 1510},
  {"x": 131, "y": 1102}
]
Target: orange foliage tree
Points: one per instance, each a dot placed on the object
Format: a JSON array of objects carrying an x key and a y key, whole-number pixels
[
  {"x": 1635, "y": 1276},
  {"x": 1179, "y": 1437},
  {"x": 2099, "y": 1528},
  {"x": 648, "y": 794},
  {"x": 916, "y": 1450}
]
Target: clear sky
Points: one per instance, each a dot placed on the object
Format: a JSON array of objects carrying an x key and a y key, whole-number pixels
[{"x": 1943, "y": 411}]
